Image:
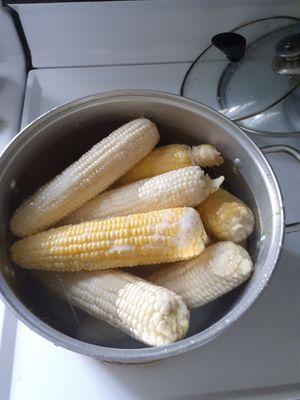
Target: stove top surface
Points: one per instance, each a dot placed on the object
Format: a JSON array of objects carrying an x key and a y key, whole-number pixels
[{"x": 256, "y": 358}]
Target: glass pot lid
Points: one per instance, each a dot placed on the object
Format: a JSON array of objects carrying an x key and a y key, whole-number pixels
[{"x": 246, "y": 74}]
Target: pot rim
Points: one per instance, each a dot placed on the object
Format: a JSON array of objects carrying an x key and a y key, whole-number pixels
[{"x": 149, "y": 353}]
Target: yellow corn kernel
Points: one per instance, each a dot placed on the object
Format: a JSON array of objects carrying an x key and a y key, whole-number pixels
[
  {"x": 169, "y": 158},
  {"x": 149, "y": 238},
  {"x": 226, "y": 217}
]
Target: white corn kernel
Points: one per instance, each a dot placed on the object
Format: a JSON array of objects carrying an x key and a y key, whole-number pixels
[
  {"x": 149, "y": 313},
  {"x": 81, "y": 181}
]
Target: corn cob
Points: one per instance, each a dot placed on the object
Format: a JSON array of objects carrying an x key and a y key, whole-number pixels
[
  {"x": 206, "y": 155},
  {"x": 149, "y": 238},
  {"x": 171, "y": 157},
  {"x": 219, "y": 269},
  {"x": 183, "y": 187},
  {"x": 149, "y": 313},
  {"x": 226, "y": 217},
  {"x": 84, "y": 179}
]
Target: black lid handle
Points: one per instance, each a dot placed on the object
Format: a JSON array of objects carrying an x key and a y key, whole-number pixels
[{"x": 231, "y": 44}]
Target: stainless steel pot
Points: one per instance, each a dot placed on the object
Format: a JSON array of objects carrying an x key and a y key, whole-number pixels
[{"x": 57, "y": 138}]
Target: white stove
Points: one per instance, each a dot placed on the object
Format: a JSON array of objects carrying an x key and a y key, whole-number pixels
[{"x": 259, "y": 357}]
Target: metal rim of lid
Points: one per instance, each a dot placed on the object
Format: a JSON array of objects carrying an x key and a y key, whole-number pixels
[{"x": 285, "y": 95}]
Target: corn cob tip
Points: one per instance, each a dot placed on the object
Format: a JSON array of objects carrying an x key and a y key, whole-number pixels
[
  {"x": 217, "y": 182},
  {"x": 207, "y": 155},
  {"x": 210, "y": 186},
  {"x": 168, "y": 316},
  {"x": 190, "y": 223},
  {"x": 226, "y": 217},
  {"x": 145, "y": 122},
  {"x": 230, "y": 258},
  {"x": 242, "y": 224}
]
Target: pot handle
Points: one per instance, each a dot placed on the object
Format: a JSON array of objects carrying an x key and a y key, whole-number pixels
[{"x": 281, "y": 148}]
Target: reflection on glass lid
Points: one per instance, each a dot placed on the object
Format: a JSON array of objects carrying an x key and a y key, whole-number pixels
[{"x": 244, "y": 88}]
